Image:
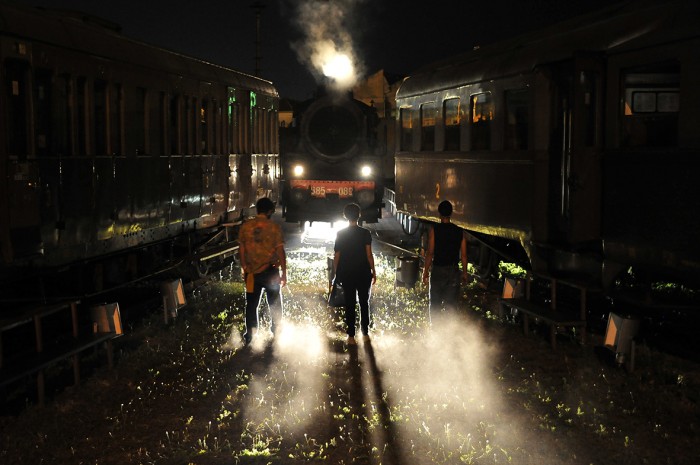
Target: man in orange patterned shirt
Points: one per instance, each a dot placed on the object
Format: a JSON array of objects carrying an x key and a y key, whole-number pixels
[{"x": 261, "y": 250}]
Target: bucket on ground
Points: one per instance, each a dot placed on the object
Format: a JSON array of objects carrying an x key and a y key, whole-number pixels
[{"x": 406, "y": 271}]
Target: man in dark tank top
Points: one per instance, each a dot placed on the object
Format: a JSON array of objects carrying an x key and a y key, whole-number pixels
[{"x": 447, "y": 245}]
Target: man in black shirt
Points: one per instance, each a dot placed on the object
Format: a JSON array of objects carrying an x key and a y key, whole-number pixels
[
  {"x": 447, "y": 244},
  {"x": 353, "y": 266}
]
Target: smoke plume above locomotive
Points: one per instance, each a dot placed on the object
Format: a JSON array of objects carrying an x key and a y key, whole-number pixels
[{"x": 327, "y": 46}]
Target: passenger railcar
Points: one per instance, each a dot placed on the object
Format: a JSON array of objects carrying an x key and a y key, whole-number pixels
[
  {"x": 116, "y": 156},
  {"x": 330, "y": 157},
  {"x": 570, "y": 150}
]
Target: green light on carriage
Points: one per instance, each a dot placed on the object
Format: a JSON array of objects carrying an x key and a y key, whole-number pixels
[
  {"x": 253, "y": 104},
  {"x": 231, "y": 103}
]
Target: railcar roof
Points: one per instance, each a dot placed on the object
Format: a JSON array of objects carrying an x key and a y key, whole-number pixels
[
  {"x": 101, "y": 38},
  {"x": 615, "y": 29}
]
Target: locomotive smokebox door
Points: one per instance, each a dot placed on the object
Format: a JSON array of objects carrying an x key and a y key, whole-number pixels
[{"x": 333, "y": 130}]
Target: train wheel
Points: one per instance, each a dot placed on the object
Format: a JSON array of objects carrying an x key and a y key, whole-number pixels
[{"x": 202, "y": 268}]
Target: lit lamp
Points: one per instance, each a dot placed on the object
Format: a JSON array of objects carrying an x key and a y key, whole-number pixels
[
  {"x": 173, "y": 298},
  {"x": 106, "y": 318}
]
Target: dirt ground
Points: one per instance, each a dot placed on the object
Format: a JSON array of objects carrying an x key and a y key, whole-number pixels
[{"x": 469, "y": 389}]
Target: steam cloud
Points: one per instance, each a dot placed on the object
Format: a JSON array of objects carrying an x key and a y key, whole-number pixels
[{"x": 327, "y": 47}]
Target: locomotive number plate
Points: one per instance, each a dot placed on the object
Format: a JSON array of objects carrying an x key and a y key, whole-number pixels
[{"x": 320, "y": 189}]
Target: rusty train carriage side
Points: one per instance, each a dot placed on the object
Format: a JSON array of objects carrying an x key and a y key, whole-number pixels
[
  {"x": 111, "y": 146},
  {"x": 566, "y": 150}
]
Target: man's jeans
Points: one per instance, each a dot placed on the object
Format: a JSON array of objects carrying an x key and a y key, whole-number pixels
[
  {"x": 268, "y": 280},
  {"x": 444, "y": 288}
]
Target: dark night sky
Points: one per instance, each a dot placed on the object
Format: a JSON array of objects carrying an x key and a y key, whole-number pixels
[{"x": 395, "y": 35}]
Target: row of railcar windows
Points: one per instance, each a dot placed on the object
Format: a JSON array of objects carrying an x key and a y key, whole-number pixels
[
  {"x": 649, "y": 115},
  {"x": 79, "y": 116},
  {"x": 479, "y": 122}
]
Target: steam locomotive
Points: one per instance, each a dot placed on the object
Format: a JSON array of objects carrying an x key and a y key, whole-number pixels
[
  {"x": 117, "y": 156},
  {"x": 330, "y": 157},
  {"x": 569, "y": 150}
]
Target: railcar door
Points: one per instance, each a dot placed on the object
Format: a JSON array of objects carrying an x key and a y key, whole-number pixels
[
  {"x": 575, "y": 151},
  {"x": 22, "y": 173}
]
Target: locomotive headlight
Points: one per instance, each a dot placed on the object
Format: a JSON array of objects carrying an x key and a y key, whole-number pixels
[
  {"x": 366, "y": 171},
  {"x": 298, "y": 170}
]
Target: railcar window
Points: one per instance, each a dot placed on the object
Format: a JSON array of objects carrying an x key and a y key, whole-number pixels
[
  {"x": 452, "y": 115},
  {"x": 62, "y": 123},
  {"x": 266, "y": 131},
  {"x": 135, "y": 118},
  {"x": 274, "y": 118},
  {"x": 159, "y": 125},
  {"x": 255, "y": 129},
  {"x": 82, "y": 113},
  {"x": 17, "y": 123},
  {"x": 236, "y": 128},
  {"x": 174, "y": 131},
  {"x": 250, "y": 136},
  {"x": 116, "y": 106},
  {"x": 255, "y": 122},
  {"x": 231, "y": 136},
  {"x": 651, "y": 107},
  {"x": 406, "y": 129},
  {"x": 264, "y": 115},
  {"x": 517, "y": 119},
  {"x": 655, "y": 102},
  {"x": 43, "y": 99},
  {"x": 244, "y": 130},
  {"x": 269, "y": 129},
  {"x": 668, "y": 102},
  {"x": 215, "y": 129},
  {"x": 223, "y": 128},
  {"x": 246, "y": 136},
  {"x": 482, "y": 113},
  {"x": 427, "y": 125},
  {"x": 188, "y": 126},
  {"x": 589, "y": 80},
  {"x": 270, "y": 126},
  {"x": 204, "y": 127},
  {"x": 100, "y": 117}
]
